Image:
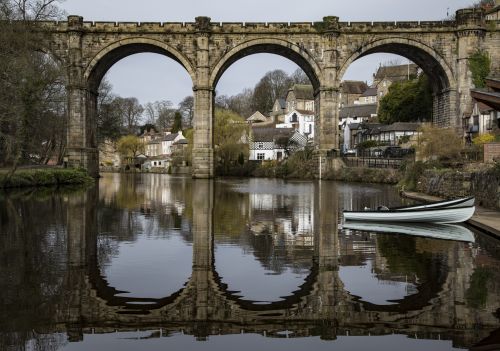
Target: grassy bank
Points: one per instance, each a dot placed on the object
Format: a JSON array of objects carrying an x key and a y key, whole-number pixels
[
  {"x": 44, "y": 177},
  {"x": 365, "y": 175}
]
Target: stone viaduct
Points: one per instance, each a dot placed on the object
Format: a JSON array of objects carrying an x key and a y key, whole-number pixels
[
  {"x": 324, "y": 50},
  {"x": 321, "y": 306}
]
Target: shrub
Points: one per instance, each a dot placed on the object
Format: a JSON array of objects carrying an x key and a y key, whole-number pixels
[
  {"x": 483, "y": 139},
  {"x": 43, "y": 177},
  {"x": 439, "y": 143}
]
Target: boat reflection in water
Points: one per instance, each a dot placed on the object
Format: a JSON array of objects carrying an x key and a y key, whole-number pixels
[{"x": 428, "y": 230}]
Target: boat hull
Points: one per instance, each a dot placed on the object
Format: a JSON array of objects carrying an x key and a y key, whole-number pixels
[{"x": 436, "y": 215}]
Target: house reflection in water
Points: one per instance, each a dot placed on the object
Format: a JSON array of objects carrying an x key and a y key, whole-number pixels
[{"x": 332, "y": 283}]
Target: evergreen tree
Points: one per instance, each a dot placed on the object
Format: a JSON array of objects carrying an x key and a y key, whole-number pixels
[
  {"x": 407, "y": 101},
  {"x": 177, "y": 127}
]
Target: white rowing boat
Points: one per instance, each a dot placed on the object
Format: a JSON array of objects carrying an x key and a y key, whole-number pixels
[
  {"x": 463, "y": 202},
  {"x": 428, "y": 230},
  {"x": 431, "y": 215}
]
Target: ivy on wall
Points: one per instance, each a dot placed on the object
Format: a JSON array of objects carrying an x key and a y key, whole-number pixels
[{"x": 479, "y": 65}]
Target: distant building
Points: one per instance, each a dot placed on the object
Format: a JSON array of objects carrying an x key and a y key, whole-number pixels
[
  {"x": 300, "y": 97},
  {"x": 159, "y": 149},
  {"x": 369, "y": 96},
  {"x": 390, "y": 134},
  {"x": 269, "y": 143},
  {"x": 279, "y": 110},
  {"x": 351, "y": 91},
  {"x": 396, "y": 73},
  {"x": 493, "y": 14},
  {"x": 354, "y": 114},
  {"x": 300, "y": 120},
  {"x": 485, "y": 116},
  {"x": 258, "y": 117}
]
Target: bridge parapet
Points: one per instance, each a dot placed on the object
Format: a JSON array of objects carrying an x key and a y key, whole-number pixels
[{"x": 466, "y": 18}]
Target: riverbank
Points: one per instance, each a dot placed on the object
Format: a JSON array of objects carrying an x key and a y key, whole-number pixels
[
  {"x": 33, "y": 177},
  {"x": 484, "y": 219}
]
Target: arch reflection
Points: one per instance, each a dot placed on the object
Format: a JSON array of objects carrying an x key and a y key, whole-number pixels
[{"x": 455, "y": 297}]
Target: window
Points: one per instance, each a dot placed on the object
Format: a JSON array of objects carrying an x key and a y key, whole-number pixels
[
  {"x": 260, "y": 145},
  {"x": 260, "y": 156},
  {"x": 159, "y": 163}
]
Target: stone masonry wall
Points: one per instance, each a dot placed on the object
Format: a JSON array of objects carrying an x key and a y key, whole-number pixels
[
  {"x": 491, "y": 152},
  {"x": 484, "y": 185}
]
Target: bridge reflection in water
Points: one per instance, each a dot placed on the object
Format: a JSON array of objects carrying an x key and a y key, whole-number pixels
[{"x": 438, "y": 274}]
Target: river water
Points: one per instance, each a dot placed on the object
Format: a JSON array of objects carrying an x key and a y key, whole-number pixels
[{"x": 156, "y": 262}]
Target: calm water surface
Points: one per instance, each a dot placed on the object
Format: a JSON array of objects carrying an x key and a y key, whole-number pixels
[{"x": 155, "y": 262}]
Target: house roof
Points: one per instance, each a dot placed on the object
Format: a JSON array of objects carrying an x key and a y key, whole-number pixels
[
  {"x": 353, "y": 87},
  {"x": 489, "y": 98},
  {"x": 282, "y": 103},
  {"x": 396, "y": 73},
  {"x": 181, "y": 141},
  {"x": 270, "y": 133},
  {"x": 493, "y": 83},
  {"x": 170, "y": 137},
  {"x": 257, "y": 116},
  {"x": 370, "y": 92},
  {"x": 371, "y": 128},
  {"x": 400, "y": 127},
  {"x": 303, "y": 112},
  {"x": 303, "y": 91},
  {"x": 358, "y": 110}
]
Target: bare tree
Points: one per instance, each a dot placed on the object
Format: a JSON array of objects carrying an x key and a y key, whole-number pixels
[
  {"x": 299, "y": 77},
  {"x": 131, "y": 112},
  {"x": 273, "y": 85},
  {"x": 36, "y": 10},
  {"x": 32, "y": 103},
  {"x": 186, "y": 107}
]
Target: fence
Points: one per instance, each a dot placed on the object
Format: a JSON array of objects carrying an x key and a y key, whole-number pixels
[{"x": 372, "y": 162}]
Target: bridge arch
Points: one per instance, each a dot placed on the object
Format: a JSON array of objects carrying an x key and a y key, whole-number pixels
[
  {"x": 434, "y": 65},
  {"x": 111, "y": 54},
  {"x": 431, "y": 62},
  {"x": 280, "y": 47}
]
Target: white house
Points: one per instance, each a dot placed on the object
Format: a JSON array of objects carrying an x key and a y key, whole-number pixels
[
  {"x": 300, "y": 120},
  {"x": 274, "y": 143}
]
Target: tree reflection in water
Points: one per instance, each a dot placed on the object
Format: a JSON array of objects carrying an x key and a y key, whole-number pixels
[{"x": 55, "y": 246}]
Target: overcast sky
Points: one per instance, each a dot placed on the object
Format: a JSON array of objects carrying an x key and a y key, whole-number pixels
[{"x": 151, "y": 77}]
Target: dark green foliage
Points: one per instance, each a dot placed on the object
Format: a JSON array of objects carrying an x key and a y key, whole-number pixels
[
  {"x": 478, "y": 292},
  {"x": 479, "y": 66},
  {"x": 367, "y": 144},
  {"x": 407, "y": 101},
  {"x": 147, "y": 127},
  {"x": 44, "y": 177},
  {"x": 177, "y": 127}
]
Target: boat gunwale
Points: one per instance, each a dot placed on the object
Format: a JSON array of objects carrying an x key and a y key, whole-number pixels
[
  {"x": 438, "y": 204},
  {"x": 409, "y": 211}
]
